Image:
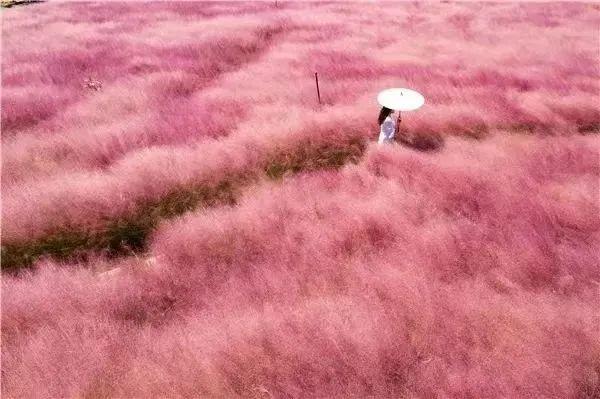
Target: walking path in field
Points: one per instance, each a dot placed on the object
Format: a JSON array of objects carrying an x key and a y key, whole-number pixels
[{"x": 127, "y": 234}]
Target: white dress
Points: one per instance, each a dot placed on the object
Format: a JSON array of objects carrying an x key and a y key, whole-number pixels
[{"x": 388, "y": 128}]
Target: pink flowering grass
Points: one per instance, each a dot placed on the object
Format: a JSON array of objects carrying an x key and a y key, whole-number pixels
[
  {"x": 167, "y": 83},
  {"x": 199, "y": 226},
  {"x": 408, "y": 273}
]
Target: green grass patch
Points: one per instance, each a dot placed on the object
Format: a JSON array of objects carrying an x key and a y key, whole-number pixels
[
  {"x": 11, "y": 3},
  {"x": 314, "y": 157},
  {"x": 123, "y": 236},
  {"x": 129, "y": 234}
]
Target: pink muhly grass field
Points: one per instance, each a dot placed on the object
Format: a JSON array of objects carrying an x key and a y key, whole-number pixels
[{"x": 468, "y": 270}]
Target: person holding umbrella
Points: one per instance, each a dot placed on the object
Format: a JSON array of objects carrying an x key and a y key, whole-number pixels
[
  {"x": 388, "y": 127},
  {"x": 392, "y": 100}
]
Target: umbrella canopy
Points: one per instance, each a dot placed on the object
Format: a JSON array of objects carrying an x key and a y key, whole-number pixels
[{"x": 400, "y": 99}]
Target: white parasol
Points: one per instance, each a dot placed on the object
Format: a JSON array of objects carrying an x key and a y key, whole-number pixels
[{"x": 400, "y": 99}]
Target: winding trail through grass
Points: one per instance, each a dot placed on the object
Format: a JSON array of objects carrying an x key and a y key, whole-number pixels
[{"x": 129, "y": 233}]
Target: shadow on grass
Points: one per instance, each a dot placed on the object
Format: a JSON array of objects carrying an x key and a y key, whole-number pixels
[{"x": 421, "y": 141}]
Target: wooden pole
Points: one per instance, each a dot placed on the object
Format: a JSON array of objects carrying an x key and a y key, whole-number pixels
[{"x": 318, "y": 92}]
